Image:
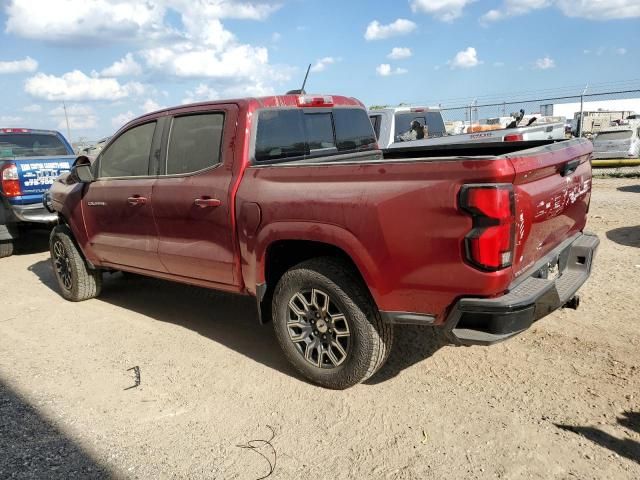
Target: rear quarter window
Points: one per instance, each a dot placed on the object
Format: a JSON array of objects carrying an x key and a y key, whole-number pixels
[{"x": 289, "y": 134}]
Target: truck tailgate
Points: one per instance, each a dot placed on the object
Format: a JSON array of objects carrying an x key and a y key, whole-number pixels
[
  {"x": 37, "y": 174},
  {"x": 552, "y": 187}
]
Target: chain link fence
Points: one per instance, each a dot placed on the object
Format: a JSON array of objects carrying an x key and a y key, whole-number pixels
[{"x": 598, "y": 109}]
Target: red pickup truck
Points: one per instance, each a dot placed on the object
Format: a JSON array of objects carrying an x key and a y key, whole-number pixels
[{"x": 288, "y": 199}]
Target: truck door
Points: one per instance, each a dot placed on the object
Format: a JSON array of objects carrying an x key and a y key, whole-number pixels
[
  {"x": 117, "y": 207},
  {"x": 192, "y": 199}
]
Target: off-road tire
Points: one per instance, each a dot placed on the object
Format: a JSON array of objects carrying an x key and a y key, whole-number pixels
[
  {"x": 6, "y": 248},
  {"x": 371, "y": 338},
  {"x": 82, "y": 282}
]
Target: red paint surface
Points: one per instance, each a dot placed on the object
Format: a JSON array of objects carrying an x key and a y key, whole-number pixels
[{"x": 398, "y": 220}]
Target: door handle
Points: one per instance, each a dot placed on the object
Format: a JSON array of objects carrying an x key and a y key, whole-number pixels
[
  {"x": 207, "y": 202},
  {"x": 569, "y": 167},
  {"x": 136, "y": 200}
]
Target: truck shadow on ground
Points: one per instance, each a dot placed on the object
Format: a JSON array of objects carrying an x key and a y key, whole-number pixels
[
  {"x": 630, "y": 188},
  {"x": 627, "y": 236},
  {"x": 32, "y": 447},
  {"x": 231, "y": 320},
  {"x": 412, "y": 344},
  {"x": 627, "y": 447},
  {"x": 32, "y": 241}
]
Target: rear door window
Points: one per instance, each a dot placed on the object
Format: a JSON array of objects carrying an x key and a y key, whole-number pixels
[
  {"x": 375, "y": 122},
  {"x": 194, "y": 143},
  {"x": 298, "y": 133},
  {"x": 128, "y": 155}
]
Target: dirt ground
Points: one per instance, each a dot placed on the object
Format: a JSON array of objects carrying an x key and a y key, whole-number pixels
[{"x": 561, "y": 401}]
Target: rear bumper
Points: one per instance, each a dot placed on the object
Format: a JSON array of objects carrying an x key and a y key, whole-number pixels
[
  {"x": 484, "y": 321},
  {"x": 34, "y": 213}
]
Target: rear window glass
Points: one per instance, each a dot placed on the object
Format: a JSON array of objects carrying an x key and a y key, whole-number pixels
[
  {"x": 353, "y": 129},
  {"x": 299, "y": 133},
  {"x": 31, "y": 145},
  {"x": 194, "y": 143},
  {"x": 621, "y": 135},
  {"x": 375, "y": 122},
  {"x": 428, "y": 124}
]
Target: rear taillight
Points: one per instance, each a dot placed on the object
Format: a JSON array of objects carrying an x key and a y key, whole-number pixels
[
  {"x": 513, "y": 137},
  {"x": 315, "y": 101},
  {"x": 489, "y": 245},
  {"x": 10, "y": 180}
]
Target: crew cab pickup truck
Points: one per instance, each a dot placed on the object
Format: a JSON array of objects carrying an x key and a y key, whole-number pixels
[
  {"x": 393, "y": 130},
  {"x": 30, "y": 160},
  {"x": 288, "y": 199}
]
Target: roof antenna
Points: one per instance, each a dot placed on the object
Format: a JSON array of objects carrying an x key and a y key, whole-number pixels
[{"x": 301, "y": 91}]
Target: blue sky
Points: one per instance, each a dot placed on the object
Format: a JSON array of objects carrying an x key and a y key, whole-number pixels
[{"x": 111, "y": 60}]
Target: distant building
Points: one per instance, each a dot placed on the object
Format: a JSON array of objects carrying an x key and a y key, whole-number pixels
[{"x": 597, "y": 114}]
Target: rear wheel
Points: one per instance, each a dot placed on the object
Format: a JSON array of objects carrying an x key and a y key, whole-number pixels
[
  {"x": 327, "y": 324},
  {"x": 6, "y": 248},
  {"x": 76, "y": 280}
]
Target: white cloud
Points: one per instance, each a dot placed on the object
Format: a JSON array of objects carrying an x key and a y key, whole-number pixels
[
  {"x": 621, "y": 51},
  {"x": 590, "y": 9},
  {"x": 276, "y": 37},
  {"x": 399, "y": 53},
  {"x": 201, "y": 93},
  {"x": 467, "y": 58},
  {"x": 119, "y": 120},
  {"x": 34, "y": 108},
  {"x": 11, "y": 121},
  {"x": 513, "y": 8},
  {"x": 77, "y": 86},
  {"x": 600, "y": 9},
  {"x": 126, "y": 66},
  {"x": 199, "y": 47},
  {"x": 84, "y": 20},
  {"x": 19, "y": 66},
  {"x": 545, "y": 63},
  {"x": 385, "y": 70},
  {"x": 151, "y": 106},
  {"x": 498, "y": 64},
  {"x": 377, "y": 31},
  {"x": 81, "y": 117},
  {"x": 322, "y": 64},
  {"x": 445, "y": 10}
]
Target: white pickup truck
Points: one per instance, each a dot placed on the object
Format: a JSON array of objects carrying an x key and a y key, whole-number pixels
[{"x": 403, "y": 127}]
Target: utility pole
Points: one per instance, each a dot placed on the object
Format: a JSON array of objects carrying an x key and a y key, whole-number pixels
[
  {"x": 582, "y": 110},
  {"x": 66, "y": 117}
]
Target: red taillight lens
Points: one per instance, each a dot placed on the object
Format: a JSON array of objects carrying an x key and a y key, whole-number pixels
[
  {"x": 490, "y": 244},
  {"x": 513, "y": 138},
  {"x": 10, "y": 181}
]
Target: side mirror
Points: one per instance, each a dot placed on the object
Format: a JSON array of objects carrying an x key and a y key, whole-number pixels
[{"x": 83, "y": 173}]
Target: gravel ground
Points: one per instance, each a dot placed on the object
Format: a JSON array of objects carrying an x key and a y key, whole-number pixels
[{"x": 561, "y": 401}]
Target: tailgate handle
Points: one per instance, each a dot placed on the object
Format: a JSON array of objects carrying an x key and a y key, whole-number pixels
[{"x": 569, "y": 167}]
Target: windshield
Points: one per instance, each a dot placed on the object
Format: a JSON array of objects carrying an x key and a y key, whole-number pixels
[
  {"x": 418, "y": 125},
  {"x": 620, "y": 135},
  {"x": 31, "y": 145}
]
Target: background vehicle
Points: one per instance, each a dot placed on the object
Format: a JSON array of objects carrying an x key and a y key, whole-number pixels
[
  {"x": 288, "y": 199},
  {"x": 392, "y": 124},
  {"x": 618, "y": 142},
  {"x": 29, "y": 162}
]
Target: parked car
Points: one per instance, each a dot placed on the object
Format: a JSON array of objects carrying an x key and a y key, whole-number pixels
[
  {"x": 621, "y": 141},
  {"x": 288, "y": 199},
  {"x": 29, "y": 162},
  {"x": 423, "y": 126}
]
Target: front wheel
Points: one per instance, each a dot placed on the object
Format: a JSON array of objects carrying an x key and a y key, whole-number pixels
[
  {"x": 327, "y": 324},
  {"x": 76, "y": 280}
]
